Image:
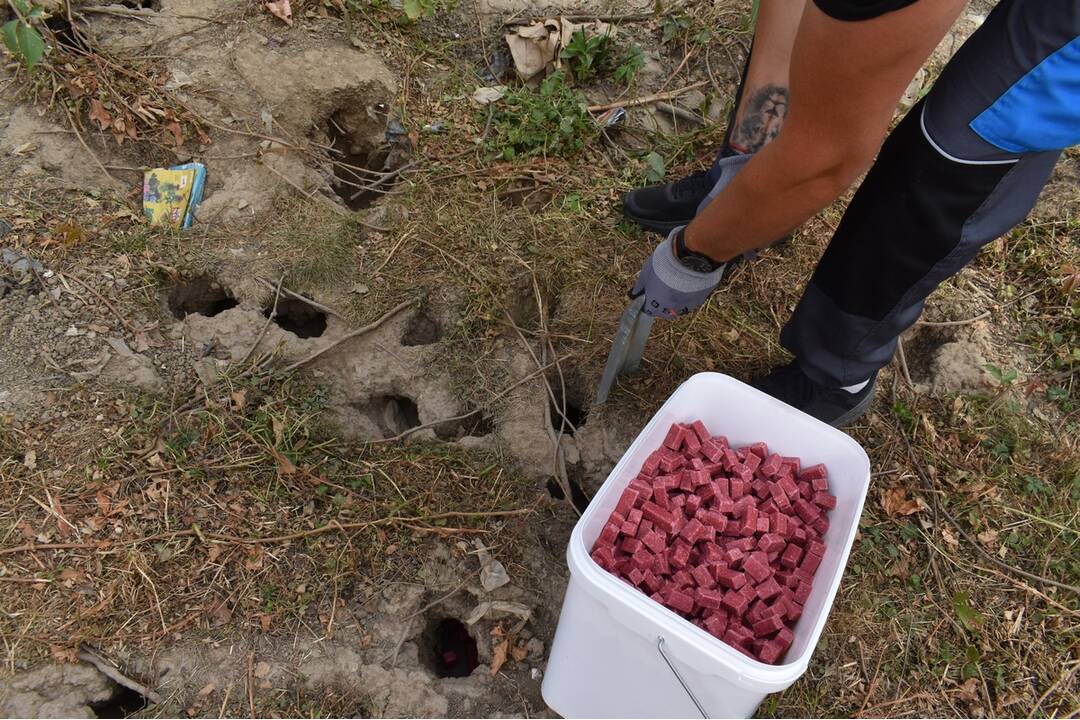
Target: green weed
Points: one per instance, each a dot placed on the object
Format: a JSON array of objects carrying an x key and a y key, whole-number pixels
[
  {"x": 551, "y": 121},
  {"x": 21, "y": 37}
]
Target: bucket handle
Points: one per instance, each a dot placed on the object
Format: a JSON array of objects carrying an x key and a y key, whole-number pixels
[{"x": 689, "y": 692}]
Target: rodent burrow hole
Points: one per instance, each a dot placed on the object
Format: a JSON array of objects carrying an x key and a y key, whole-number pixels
[
  {"x": 392, "y": 414},
  {"x": 448, "y": 649},
  {"x": 201, "y": 295},
  {"x": 577, "y": 494},
  {"x": 358, "y": 162},
  {"x": 570, "y": 409},
  {"x": 298, "y": 317},
  {"x": 124, "y": 702},
  {"x": 921, "y": 345},
  {"x": 423, "y": 329}
]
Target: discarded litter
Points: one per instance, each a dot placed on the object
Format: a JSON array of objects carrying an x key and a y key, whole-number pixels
[
  {"x": 612, "y": 117},
  {"x": 493, "y": 573},
  {"x": 20, "y": 264},
  {"x": 499, "y": 607},
  {"x": 172, "y": 195},
  {"x": 536, "y": 48},
  {"x": 488, "y": 95}
]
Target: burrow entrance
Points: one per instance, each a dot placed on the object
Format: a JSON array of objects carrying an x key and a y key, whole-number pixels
[
  {"x": 577, "y": 494},
  {"x": 61, "y": 28},
  {"x": 921, "y": 346},
  {"x": 423, "y": 329},
  {"x": 298, "y": 317},
  {"x": 570, "y": 409},
  {"x": 359, "y": 163},
  {"x": 200, "y": 295},
  {"x": 448, "y": 649},
  {"x": 477, "y": 425},
  {"x": 525, "y": 307},
  {"x": 124, "y": 702},
  {"x": 392, "y": 414}
]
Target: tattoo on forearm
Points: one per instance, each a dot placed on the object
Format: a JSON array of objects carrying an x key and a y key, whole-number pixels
[{"x": 764, "y": 111}]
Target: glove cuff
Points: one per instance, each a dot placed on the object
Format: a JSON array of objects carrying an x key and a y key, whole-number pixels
[{"x": 670, "y": 270}]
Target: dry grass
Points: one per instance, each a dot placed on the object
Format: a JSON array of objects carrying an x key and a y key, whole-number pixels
[{"x": 234, "y": 512}]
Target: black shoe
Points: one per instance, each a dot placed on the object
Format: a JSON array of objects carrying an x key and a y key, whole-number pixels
[
  {"x": 834, "y": 406},
  {"x": 663, "y": 208}
]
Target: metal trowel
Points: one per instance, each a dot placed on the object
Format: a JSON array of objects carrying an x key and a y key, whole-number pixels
[{"x": 626, "y": 349}]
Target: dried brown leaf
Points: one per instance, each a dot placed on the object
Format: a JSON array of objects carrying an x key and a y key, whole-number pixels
[
  {"x": 280, "y": 9},
  {"x": 498, "y": 656},
  {"x": 896, "y": 503},
  {"x": 99, "y": 114},
  {"x": 949, "y": 538},
  {"x": 177, "y": 132}
]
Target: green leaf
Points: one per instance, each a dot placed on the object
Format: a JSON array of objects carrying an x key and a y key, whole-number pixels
[
  {"x": 22, "y": 6},
  {"x": 654, "y": 167},
  {"x": 31, "y": 45},
  {"x": 413, "y": 9},
  {"x": 970, "y": 667},
  {"x": 9, "y": 37},
  {"x": 969, "y": 616}
]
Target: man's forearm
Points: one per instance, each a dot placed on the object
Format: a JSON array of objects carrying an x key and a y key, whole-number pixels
[
  {"x": 846, "y": 78},
  {"x": 778, "y": 190}
]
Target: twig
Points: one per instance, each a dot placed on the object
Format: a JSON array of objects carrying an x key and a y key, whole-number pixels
[
  {"x": 953, "y": 323},
  {"x": 370, "y": 226},
  {"x": 435, "y": 602},
  {"x": 105, "y": 302},
  {"x": 314, "y": 194},
  {"x": 1065, "y": 677},
  {"x": 107, "y": 669},
  {"x": 963, "y": 533},
  {"x": 981, "y": 316},
  {"x": 645, "y": 100},
  {"x": 450, "y": 257},
  {"x": 302, "y": 298},
  {"x": 82, "y": 141},
  {"x": 404, "y": 237},
  {"x": 116, "y": 12},
  {"x": 251, "y": 682},
  {"x": 266, "y": 325},
  {"x": 869, "y": 712},
  {"x": 631, "y": 17},
  {"x": 355, "y": 333},
  {"x": 903, "y": 361},
  {"x": 680, "y": 112}
]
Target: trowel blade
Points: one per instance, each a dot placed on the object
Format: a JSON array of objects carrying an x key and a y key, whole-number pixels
[{"x": 620, "y": 347}]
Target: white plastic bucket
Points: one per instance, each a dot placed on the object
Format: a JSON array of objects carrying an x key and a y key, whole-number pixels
[{"x": 605, "y": 660}]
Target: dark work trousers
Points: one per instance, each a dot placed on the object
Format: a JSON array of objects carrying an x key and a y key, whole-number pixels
[{"x": 962, "y": 168}]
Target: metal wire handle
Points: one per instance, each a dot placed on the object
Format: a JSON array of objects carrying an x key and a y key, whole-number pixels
[{"x": 689, "y": 692}]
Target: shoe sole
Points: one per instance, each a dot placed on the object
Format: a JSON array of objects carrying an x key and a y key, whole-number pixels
[
  {"x": 856, "y": 412},
  {"x": 657, "y": 226}
]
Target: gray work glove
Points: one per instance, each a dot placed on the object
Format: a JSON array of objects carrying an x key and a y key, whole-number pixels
[
  {"x": 729, "y": 167},
  {"x": 670, "y": 288}
]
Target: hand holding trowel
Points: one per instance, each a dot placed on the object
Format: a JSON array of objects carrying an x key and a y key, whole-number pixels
[{"x": 674, "y": 281}]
